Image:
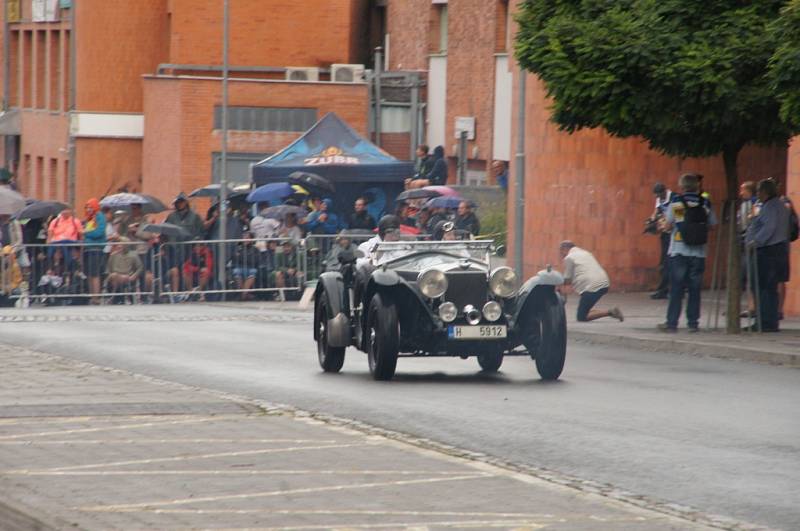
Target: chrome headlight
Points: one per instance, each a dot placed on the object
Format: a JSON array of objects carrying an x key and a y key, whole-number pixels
[
  {"x": 448, "y": 312},
  {"x": 472, "y": 314},
  {"x": 503, "y": 282},
  {"x": 492, "y": 311},
  {"x": 432, "y": 283}
]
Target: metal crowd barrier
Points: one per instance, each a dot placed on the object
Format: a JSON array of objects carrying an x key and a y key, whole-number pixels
[{"x": 75, "y": 273}]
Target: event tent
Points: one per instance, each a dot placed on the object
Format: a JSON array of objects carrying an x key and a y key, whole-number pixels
[{"x": 355, "y": 166}]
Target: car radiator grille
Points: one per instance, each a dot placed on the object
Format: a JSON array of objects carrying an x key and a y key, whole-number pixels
[{"x": 467, "y": 287}]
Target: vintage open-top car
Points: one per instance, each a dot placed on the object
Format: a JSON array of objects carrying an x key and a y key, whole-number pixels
[{"x": 437, "y": 298}]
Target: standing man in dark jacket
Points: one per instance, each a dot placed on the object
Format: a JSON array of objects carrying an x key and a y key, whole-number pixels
[
  {"x": 361, "y": 219},
  {"x": 466, "y": 219},
  {"x": 189, "y": 221},
  {"x": 663, "y": 199},
  {"x": 769, "y": 234}
]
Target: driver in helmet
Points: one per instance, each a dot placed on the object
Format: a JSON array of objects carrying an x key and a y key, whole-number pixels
[{"x": 388, "y": 231}]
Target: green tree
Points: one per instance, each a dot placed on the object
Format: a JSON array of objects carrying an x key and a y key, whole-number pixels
[
  {"x": 784, "y": 66},
  {"x": 688, "y": 76}
]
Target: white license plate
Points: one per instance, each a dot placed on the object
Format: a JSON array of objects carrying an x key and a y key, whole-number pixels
[{"x": 477, "y": 332}]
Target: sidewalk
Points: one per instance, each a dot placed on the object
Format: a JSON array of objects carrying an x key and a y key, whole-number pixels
[
  {"x": 83, "y": 447},
  {"x": 643, "y": 314}
]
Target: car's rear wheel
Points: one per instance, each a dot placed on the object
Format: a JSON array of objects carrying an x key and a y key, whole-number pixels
[
  {"x": 552, "y": 349},
  {"x": 331, "y": 359},
  {"x": 383, "y": 338},
  {"x": 490, "y": 362}
]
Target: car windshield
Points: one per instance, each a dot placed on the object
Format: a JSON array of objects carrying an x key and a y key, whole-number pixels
[{"x": 421, "y": 255}]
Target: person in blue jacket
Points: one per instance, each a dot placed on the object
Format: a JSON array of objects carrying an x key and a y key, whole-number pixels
[
  {"x": 323, "y": 221},
  {"x": 94, "y": 235}
]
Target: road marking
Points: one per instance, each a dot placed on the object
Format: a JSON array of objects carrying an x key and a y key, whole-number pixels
[
  {"x": 121, "y": 427},
  {"x": 134, "y": 507},
  {"x": 355, "y": 512},
  {"x": 226, "y": 472},
  {"x": 519, "y": 525},
  {"x": 168, "y": 441},
  {"x": 200, "y": 456}
]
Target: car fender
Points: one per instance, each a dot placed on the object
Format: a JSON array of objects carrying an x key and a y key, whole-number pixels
[
  {"x": 399, "y": 291},
  {"x": 332, "y": 283},
  {"x": 542, "y": 284}
]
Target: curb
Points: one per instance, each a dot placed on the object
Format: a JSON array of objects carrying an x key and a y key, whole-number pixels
[{"x": 691, "y": 348}]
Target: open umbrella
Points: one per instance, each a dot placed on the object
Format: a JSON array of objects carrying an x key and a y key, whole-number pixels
[
  {"x": 123, "y": 201},
  {"x": 442, "y": 190},
  {"x": 314, "y": 183},
  {"x": 212, "y": 190},
  {"x": 448, "y": 202},
  {"x": 167, "y": 229},
  {"x": 281, "y": 211},
  {"x": 41, "y": 210},
  {"x": 270, "y": 192},
  {"x": 10, "y": 201},
  {"x": 417, "y": 193}
]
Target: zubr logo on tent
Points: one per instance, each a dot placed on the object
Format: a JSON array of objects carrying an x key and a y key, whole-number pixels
[{"x": 331, "y": 155}]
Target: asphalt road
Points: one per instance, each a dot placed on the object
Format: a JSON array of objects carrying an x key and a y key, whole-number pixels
[{"x": 717, "y": 435}]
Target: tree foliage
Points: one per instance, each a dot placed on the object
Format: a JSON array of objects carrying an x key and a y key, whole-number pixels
[
  {"x": 691, "y": 77},
  {"x": 784, "y": 66}
]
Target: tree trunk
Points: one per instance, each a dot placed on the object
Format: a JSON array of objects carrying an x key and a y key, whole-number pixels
[{"x": 729, "y": 157}]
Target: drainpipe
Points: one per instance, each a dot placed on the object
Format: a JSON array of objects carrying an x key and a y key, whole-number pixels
[
  {"x": 223, "y": 181},
  {"x": 71, "y": 186},
  {"x": 378, "y": 108},
  {"x": 519, "y": 181},
  {"x": 6, "y": 56}
]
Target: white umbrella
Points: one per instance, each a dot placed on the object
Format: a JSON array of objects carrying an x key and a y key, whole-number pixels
[{"x": 10, "y": 201}]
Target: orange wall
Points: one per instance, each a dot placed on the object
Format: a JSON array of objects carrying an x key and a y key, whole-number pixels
[
  {"x": 105, "y": 165},
  {"x": 792, "y": 306},
  {"x": 115, "y": 46},
  {"x": 267, "y": 32},
  {"x": 597, "y": 191},
  {"x": 408, "y": 24},
  {"x": 44, "y": 135},
  {"x": 179, "y": 124}
]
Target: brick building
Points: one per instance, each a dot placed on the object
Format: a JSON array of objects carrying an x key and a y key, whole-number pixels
[
  {"x": 463, "y": 46},
  {"x": 86, "y": 80}
]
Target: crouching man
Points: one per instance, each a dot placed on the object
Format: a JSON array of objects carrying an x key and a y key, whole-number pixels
[
  {"x": 589, "y": 279},
  {"x": 124, "y": 267}
]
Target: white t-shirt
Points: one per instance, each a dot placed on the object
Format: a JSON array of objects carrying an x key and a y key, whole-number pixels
[{"x": 583, "y": 270}]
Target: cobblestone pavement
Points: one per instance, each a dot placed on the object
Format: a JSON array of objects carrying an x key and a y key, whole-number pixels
[{"x": 92, "y": 448}]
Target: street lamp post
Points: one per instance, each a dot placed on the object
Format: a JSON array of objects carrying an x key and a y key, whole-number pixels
[{"x": 223, "y": 181}]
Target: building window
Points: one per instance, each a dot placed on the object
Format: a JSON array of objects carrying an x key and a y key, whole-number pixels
[
  {"x": 238, "y": 166},
  {"x": 503, "y": 25},
  {"x": 266, "y": 119}
]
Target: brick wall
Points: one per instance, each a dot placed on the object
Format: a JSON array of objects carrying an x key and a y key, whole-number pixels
[
  {"x": 45, "y": 137},
  {"x": 104, "y": 165},
  {"x": 267, "y": 32},
  {"x": 792, "y": 306},
  {"x": 179, "y": 128},
  {"x": 596, "y": 190},
  {"x": 115, "y": 46},
  {"x": 408, "y": 24}
]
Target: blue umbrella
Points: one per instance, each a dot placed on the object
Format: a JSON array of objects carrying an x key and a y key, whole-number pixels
[
  {"x": 447, "y": 202},
  {"x": 270, "y": 192}
]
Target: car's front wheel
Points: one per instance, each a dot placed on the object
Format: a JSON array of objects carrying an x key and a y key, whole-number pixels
[
  {"x": 383, "y": 338},
  {"x": 552, "y": 350},
  {"x": 490, "y": 362},
  {"x": 331, "y": 359}
]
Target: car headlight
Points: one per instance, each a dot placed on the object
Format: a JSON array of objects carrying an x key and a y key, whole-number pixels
[
  {"x": 432, "y": 283},
  {"x": 492, "y": 311},
  {"x": 503, "y": 282},
  {"x": 448, "y": 312}
]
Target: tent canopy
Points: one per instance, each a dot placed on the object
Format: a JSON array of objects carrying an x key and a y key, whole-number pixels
[{"x": 332, "y": 149}]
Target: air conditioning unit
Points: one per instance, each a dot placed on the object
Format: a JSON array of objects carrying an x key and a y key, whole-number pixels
[
  {"x": 294, "y": 73},
  {"x": 347, "y": 73}
]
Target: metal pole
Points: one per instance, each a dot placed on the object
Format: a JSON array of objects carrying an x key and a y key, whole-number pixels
[
  {"x": 73, "y": 88},
  {"x": 715, "y": 284},
  {"x": 519, "y": 181},
  {"x": 223, "y": 182},
  {"x": 462, "y": 158},
  {"x": 6, "y": 62},
  {"x": 378, "y": 109},
  {"x": 414, "y": 116}
]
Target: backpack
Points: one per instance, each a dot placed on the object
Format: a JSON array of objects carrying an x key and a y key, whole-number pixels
[
  {"x": 794, "y": 225},
  {"x": 694, "y": 228}
]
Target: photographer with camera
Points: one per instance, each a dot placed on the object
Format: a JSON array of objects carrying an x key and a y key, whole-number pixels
[{"x": 655, "y": 224}]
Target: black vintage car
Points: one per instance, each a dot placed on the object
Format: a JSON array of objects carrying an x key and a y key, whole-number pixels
[{"x": 437, "y": 298}]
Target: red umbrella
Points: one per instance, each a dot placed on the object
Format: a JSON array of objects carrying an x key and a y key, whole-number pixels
[{"x": 445, "y": 191}]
